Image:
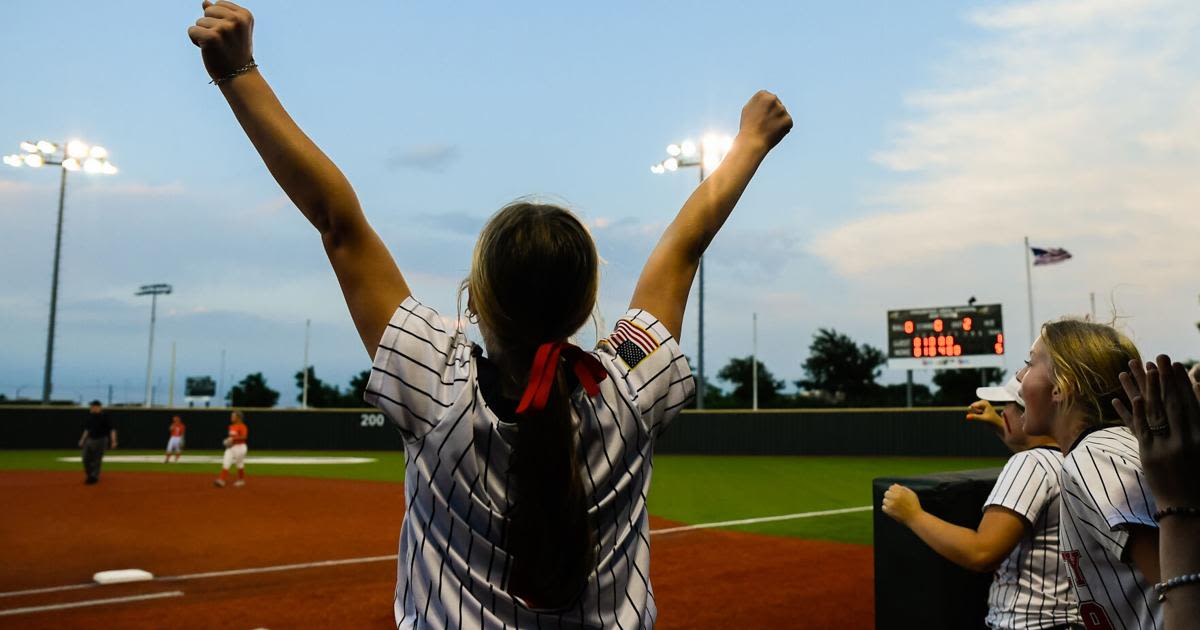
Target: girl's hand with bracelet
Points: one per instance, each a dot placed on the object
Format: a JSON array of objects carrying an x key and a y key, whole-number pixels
[
  {"x": 1164, "y": 415},
  {"x": 225, "y": 38}
]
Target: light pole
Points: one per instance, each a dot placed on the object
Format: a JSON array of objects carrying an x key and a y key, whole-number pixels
[
  {"x": 153, "y": 290},
  {"x": 707, "y": 155},
  {"x": 71, "y": 156}
]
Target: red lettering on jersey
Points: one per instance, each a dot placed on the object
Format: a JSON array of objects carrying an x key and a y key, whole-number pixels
[
  {"x": 1072, "y": 560},
  {"x": 1094, "y": 616}
]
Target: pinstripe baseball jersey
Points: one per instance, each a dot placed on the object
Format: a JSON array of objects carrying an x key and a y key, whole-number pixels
[
  {"x": 452, "y": 565},
  {"x": 1031, "y": 588},
  {"x": 1104, "y": 493}
]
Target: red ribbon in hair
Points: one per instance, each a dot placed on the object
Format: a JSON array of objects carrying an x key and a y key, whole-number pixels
[{"x": 587, "y": 369}]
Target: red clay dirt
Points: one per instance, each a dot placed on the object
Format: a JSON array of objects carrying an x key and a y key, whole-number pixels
[{"x": 55, "y": 531}]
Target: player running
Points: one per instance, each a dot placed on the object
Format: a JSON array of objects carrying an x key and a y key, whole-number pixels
[
  {"x": 235, "y": 451},
  {"x": 528, "y": 468},
  {"x": 175, "y": 442},
  {"x": 1109, "y": 535},
  {"x": 1018, "y": 537}
]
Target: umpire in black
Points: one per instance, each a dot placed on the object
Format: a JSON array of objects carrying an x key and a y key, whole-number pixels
[{"x": 99, "y": 433}]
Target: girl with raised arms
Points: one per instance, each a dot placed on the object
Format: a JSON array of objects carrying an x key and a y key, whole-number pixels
[{"x": 528, "y": 466}]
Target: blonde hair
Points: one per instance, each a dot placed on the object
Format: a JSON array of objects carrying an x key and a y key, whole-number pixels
[
  {"x": 1088, "y": 359},
  {"x": 534, "y": 279},
  {"x": 534, "y": 275}
]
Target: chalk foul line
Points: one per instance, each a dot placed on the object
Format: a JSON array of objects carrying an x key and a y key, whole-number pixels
[
  {"x": 761, "y": 519},
  {"x": 347, "y": 561},
  {"x": 89, "y": 602}
]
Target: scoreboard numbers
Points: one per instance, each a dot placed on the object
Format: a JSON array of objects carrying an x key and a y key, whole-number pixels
[{"x": 946, "y": 337}]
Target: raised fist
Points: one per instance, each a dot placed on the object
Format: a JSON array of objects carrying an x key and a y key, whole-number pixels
[
  {"x": 224, "y": 36},
  {"x": 764, "y": 118}
]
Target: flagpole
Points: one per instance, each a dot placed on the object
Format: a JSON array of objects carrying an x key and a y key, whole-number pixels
[
  {"x": 754, "y": 366},
  {"x": 1029, "y": 289}
]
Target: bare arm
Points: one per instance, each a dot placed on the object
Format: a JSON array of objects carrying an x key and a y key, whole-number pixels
[
  {"x": 976, "y": 550},
  {"x": 370, "y": 280},
  {"x": 1180, "y": 554},
  {"x": 667, "y": 277},
  {"x": 1162, "y": 396},
  {"x": 1142, "y": 551}
]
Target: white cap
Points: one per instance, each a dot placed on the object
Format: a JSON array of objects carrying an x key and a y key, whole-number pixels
[{"x": 1010, "y": 392}]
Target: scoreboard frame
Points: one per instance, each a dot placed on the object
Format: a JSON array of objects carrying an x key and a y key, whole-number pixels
[{"x": 946, "y": 337}]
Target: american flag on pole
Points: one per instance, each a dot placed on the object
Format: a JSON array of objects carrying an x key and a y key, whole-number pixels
[
  {"x": 1049, "y": 256},
  {"x": 631, "y": 343}
]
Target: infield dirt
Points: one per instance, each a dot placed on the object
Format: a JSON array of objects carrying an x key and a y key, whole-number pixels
[{"x": 56, "y": 531}]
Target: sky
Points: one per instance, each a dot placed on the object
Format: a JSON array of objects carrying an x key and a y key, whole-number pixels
[{"x": 930, "y": 138}]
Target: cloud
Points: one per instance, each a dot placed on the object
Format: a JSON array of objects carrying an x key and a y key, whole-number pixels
[
  {"x": 1059, "y": 14},
  {"x": 434, "y": 157},
  {"x": 455, "y": 223},
  {"x": 127, "y": 190},
  {"x": 1075, "y": 122}
]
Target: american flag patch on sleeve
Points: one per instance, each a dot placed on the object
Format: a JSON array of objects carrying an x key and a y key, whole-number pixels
[{"x": 631, "y": 342}]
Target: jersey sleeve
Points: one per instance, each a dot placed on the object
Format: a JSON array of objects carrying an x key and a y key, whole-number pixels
[
  {"x": 1113, "y": 492},
  {"x": 648, "y": 367},
  {"x": 420, "y": 369},
  {"x": 1025, "y": 486}
]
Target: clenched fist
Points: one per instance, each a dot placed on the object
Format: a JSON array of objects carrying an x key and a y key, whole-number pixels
[
  {"x": 224, "y": 36},
  {"x": 765, "y": 119},
  {"x": 901, "y": 503}
]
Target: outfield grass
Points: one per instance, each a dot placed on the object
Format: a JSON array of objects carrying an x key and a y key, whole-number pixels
[
  {"x": 704, "y": 489},
  {"x": 388, "y": 465},
  {"x": 686, "y": 488}
]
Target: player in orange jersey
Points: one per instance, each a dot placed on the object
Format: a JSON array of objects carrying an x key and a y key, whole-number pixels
[
  {"x": 235, "y": 451},
  {"x": 175, "y": 444}
]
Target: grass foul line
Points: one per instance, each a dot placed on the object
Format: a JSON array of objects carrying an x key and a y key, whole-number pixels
[{"x": 761, "y": 519}]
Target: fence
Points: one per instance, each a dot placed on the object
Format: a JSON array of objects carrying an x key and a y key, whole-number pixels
[{"x": 918, "y": 432}]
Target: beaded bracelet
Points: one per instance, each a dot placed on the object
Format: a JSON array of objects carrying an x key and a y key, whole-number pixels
[
  {"x": 1162, "y": 587},
  {"x": 1176, "y": 511},
  {"x": 242, "y": 70}
]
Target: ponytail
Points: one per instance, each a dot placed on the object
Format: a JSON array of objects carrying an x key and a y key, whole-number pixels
[
  {"x": 533, "y": 283},
  {"x": 549, "y": 536}
]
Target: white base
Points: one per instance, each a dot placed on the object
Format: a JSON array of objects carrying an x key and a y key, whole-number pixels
[{"x": 122, "y": 575}]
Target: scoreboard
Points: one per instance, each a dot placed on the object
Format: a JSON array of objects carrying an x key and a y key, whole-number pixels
[{"x": 946, "y": 337}]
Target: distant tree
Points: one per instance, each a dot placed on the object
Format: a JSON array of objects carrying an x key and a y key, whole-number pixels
[
  {"x": 320, "y": 393},
  {"x": 739, "y": 374},
  {"x": 714, "y": 397},
  {"x": 358, "y": 386},
  {"x": 252, "y": 391},
  {"x": 957, "y": 387},
  {"x": 840, "y": 369},
  {"x": 896, "y": 395}
]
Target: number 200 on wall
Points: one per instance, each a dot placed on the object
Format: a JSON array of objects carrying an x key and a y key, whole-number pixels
[{"x": 371, "y": 420}]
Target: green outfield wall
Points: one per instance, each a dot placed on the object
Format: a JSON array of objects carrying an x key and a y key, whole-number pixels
[{"x": 926, "y": 431}]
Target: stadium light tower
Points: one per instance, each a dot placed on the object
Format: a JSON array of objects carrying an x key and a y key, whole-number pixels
[
  {"x": 153, "y": 290},
  {"x": 70, "y": 156},
  {"x": 707, "y": 155}
]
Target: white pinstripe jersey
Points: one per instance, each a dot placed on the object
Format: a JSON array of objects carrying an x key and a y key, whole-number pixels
[
  {"x": 1031, "y": 588},
  {"x": 452, "y": 564},
  {"x": 1104, "y": 493}
]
